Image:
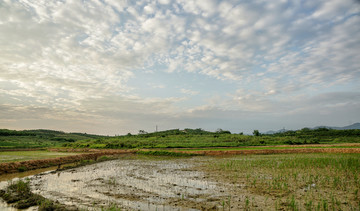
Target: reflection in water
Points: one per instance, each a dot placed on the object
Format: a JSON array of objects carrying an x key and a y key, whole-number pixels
[{"x": 6, "y": 177}]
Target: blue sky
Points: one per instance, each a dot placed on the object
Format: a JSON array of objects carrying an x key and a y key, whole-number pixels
[{"x": 113, "y": 67}]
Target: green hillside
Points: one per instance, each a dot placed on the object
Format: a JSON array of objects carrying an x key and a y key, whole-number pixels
[
  {"x": 10, "y": 139},
  {"x": 194, "y": 138}
]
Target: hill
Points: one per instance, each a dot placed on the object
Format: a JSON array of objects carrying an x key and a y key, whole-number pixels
[
  {"x": 10, "y": 139},
  {"x": 349, "y": 127},
  {"x": 190, "y": 138}
]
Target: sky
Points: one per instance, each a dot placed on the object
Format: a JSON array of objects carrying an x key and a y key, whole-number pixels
[{"x": 116, "y": 66}]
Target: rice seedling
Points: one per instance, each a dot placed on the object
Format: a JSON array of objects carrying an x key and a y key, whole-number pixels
[{"x": 331, "y": 181}]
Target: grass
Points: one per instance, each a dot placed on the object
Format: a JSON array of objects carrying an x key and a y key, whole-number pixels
[
  {"x": 297, "y": 181},
  {"x": 12, "y": 156},
  {"x": 20, "y": 196}
]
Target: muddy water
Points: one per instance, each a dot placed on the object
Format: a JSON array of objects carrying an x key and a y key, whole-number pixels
[
  {"x": 132, "y": 185},
  {"x": 7, "y": 177}
]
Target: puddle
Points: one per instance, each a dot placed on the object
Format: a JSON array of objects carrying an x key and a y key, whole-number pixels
[
  {"x": 132, "y": 185},
  {"x": 6, "y": 177}
]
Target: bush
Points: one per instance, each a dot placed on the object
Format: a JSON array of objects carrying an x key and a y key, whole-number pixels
[
  {"x": 20, "y": 187},
  {"x": 47, "y": 205},
  {"x": 22, "y": 169}
]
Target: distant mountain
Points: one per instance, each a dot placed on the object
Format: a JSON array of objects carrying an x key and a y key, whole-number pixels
[
  {"x": 349, "y": 127},
  {"x": 278, "y": 131}
]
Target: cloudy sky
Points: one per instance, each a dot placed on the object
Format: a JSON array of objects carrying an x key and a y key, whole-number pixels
[{"x": 118, "y": 66}]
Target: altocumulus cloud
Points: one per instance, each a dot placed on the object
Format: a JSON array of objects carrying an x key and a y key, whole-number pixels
[{"x": 114, "y": 67}]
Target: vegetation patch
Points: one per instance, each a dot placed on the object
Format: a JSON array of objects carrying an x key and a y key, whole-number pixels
[
  {"x": 12, "y": 139},
  {"x": 198, "y": 138},
  {"x": 20, "y": 196},
  {"x": 187, "y": 138}
]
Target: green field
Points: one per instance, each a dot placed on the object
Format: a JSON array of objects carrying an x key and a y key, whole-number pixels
[{"x": 12, "y": 156}]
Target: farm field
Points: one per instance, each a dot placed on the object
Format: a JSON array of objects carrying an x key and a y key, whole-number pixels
[
  {"x": 242, "y": 182},
  {"x": 174, "y": 170},
  {"x": 13, "y": 156},
  {"x": 290, "y": 181}
]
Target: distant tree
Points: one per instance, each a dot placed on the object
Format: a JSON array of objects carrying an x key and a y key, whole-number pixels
[
  {"x": 241, "y": 133},
  {"x": 129, "y": 134},
  {"x": 256, "y": 133},
  {"x": 221, "y": 131},
  {"x": 305, "y": 129},
  {"x": 142, "y": 132}
]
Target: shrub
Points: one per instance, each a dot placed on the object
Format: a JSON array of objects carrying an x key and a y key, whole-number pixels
[{"x": 22, "y": 169}]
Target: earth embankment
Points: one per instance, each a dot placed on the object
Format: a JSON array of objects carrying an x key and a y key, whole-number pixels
[{"x": 13, "y": 167}]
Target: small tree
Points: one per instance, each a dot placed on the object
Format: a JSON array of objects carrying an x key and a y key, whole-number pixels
[
  {"x": 142, "y": 132},
  {"x": 221, "y": 131},
  {"x": 256, "y": 133}
]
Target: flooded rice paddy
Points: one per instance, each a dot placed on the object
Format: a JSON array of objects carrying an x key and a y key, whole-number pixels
[
  {"x": 246, "y": 182},
  {"x": 12, "y": 156},
  {"x": 173, "y": 184}
]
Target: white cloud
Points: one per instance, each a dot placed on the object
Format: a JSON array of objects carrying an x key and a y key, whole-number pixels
[
  {"x": 188, "y": 91},
  {"x": 64, "y": 54},
  {"x": 164, "y": 1}
]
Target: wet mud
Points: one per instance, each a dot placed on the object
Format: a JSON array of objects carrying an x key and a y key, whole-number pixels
[{"x": 134, "y": 185}]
